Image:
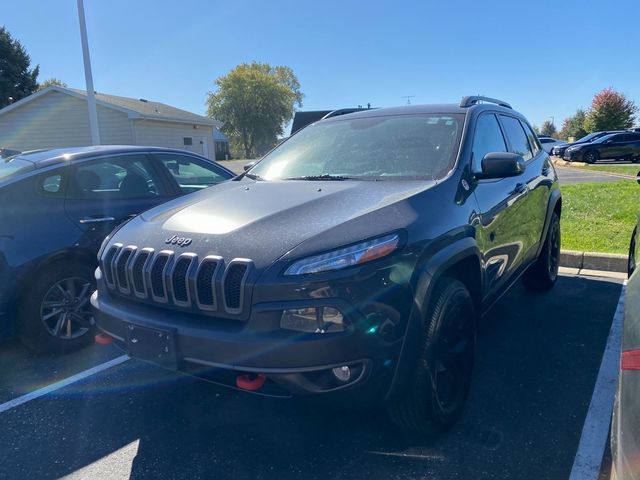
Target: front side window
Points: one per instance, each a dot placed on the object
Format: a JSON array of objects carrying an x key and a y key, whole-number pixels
[
  {"x": 396, "y": 146},
  {"x": 487, "y": 139},
  {"x": 517, "y": 137},
  {"x": 192, "y": 173},
  {"x": 126, "y": 176}
]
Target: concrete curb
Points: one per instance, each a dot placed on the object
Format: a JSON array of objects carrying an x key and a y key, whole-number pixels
[
  {"x": 610, "y": 262},
  {"x": 564, "y": 163}
]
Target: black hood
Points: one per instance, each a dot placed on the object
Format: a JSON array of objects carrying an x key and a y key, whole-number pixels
[{"x": 263, "y": 221}]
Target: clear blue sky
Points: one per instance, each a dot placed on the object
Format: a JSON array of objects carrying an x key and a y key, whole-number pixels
[{"x": 546, "y": 57}]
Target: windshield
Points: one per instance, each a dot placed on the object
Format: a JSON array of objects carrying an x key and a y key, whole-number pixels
[
  {"x": 13, "y": 166},
  {"x": 401, "y": 146},
  {"x": 590, "y": 137}
]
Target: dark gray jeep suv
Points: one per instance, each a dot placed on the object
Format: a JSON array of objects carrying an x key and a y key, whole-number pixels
[{"x": 355, "y": 259}]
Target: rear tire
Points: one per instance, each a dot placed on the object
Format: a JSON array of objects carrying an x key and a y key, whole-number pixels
[
  {"x": 542, "y": 275},
  {"x": 439, "y": 382},
  {"x": 591, "y": 156},
  {"x": 55, "y": 312}
]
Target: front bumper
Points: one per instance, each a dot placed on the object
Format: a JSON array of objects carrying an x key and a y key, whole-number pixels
[
  {"x": 294, "y": 363},
  {"x": 572, "y": 156}
]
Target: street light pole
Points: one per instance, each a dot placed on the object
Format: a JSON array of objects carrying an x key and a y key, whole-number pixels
[{"x": 91, "y": 99}]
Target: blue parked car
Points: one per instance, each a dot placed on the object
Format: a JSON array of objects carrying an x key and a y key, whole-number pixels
[{"x": 56, "y": 208}]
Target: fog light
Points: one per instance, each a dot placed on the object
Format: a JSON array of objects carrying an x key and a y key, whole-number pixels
[
  {"x": 342, "y": 373},
  {"x": 313, "y": 320}
]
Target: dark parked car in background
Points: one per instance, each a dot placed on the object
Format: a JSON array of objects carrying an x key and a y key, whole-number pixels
[
  {"x": 625, "y": 427},
  {"x": 355, "y": 257},
  {"x": 63, "y": 203},
  {"x": 549, "y": 142},
  {"x": 615, "y": 146},
  {"x": 559, "y": 150}
]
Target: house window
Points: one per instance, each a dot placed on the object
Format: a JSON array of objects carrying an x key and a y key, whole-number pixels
[{"x": 187, "y": 141}]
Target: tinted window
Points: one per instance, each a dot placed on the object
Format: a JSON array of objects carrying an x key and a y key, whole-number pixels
[
  {"x": 546, "y": 140},
  {"x": 614, "y": 138},
  {"x": 533, "y": 140},
  {"x": 126, "y": 176},
  {"x": 517, "y": 137},
  {"x": 488, "y": 138},
  {"x": 422, "y": 146},
  {"x": 51, "y": 183},
  {"x": 632, "y": 137},
  {"x": 192, "y": 173}
]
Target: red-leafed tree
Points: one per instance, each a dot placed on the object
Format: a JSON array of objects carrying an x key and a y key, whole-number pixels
[{"x": 610, "y": 110}]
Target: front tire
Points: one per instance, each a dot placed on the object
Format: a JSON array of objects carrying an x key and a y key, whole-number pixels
[
  {"x": 542, "y": 275},
  {"x": 440, "y": 378},
  {"x": 55, "y": 313},
  {"x": 591, "y": 156}
]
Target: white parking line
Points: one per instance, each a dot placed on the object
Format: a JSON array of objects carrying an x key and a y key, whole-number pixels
[
  {"x": 62, "y": 383},
  {"x": 586, "y": 465}
]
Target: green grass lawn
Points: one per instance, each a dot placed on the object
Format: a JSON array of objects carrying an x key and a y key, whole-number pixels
[
  {"x": 599, "y": 217},
  {"x": 621, "y": 169}
]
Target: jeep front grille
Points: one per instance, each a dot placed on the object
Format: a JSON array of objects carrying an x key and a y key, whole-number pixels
[{"x": 177, "y": 279}]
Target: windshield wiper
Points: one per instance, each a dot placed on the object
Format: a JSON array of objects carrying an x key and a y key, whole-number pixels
[
  {"x": 253, "y": 176},
  {"x": 324, "y": 176}
]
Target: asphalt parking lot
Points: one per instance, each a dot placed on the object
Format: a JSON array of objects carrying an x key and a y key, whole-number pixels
[{"x": 537, "y": 364}]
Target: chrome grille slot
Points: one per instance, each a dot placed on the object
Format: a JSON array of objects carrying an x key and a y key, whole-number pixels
[
  {"x": 205, "y": 282},
  {"x": 120, "y": 270},
  {"x": 137, "y": 276},
  {"x": 157, "y": 276},
  {"x": 107, "y": 264},
  {"x": 233, "y": 281},
  {"x": 180, "y": 279}
]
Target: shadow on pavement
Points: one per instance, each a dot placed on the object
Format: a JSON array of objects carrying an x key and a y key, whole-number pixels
[{"x": 537, "y": 363}]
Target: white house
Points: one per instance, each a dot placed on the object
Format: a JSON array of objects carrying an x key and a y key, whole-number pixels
[{"x": 58, "y": 117}]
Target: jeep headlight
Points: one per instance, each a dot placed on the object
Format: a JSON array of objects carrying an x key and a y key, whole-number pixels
[{"x": 346, "y": 257}]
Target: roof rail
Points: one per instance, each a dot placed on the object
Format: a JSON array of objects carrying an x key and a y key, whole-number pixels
[
  {"x": 475, "y": 99},
  {"x": 343, "y": 111}
]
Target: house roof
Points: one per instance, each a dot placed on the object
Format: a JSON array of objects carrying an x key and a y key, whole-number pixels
[{"x": 134, "y": 107}]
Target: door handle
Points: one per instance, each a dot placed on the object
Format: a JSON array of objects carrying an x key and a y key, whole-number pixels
[
  {"x": 97, "y": 220},
  {"x": 520, "y": 188}
]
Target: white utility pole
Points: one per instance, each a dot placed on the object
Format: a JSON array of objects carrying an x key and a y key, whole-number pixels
[{"x": 91, "y": 99}]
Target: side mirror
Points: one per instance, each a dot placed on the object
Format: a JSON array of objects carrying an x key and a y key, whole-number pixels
[
  {"x": 501, "y": 165},
  {"x": 249, "y": 165}
]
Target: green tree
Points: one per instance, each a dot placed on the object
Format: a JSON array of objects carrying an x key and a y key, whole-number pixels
[
  {"x": 610, "y": 110},
  {"x": 548, "y": 129},
  {"x": 17, "y": 80},
  {"x": 573, "y": 127},
  {"x": 254, "y": 101},
  {"x": 51, "y": 81}
]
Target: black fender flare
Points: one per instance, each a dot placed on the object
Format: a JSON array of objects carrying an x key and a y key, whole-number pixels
[
  {"x": 554, "y": 198},
  {"x": 427, "y": 274}
]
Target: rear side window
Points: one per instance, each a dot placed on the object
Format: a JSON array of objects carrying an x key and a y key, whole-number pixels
[
  {"x": 632, "y": 137},
  {"x": 517, "y": 137},
  {"x": 487, "y": 138},
  {"x": 533, "y": 140}
]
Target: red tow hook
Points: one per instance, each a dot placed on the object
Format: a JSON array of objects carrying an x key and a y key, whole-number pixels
[
  {"x": 251, "y": 382},
  {"x": 103, "y": 339}
]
